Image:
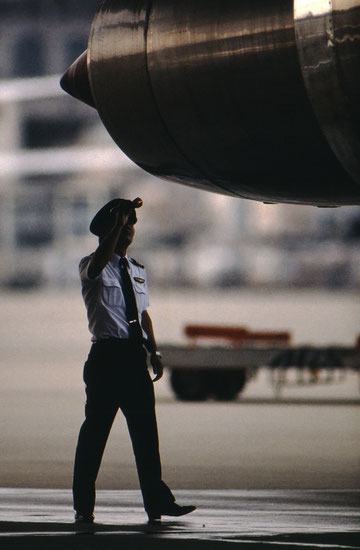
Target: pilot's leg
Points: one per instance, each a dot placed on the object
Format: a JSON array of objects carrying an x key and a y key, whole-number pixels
[
  {"x": 99, "y": 417},
  {"x": 141, "y": 420}
]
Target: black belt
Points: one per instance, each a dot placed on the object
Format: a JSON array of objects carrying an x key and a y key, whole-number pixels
[{"x": 124, "y": 341}]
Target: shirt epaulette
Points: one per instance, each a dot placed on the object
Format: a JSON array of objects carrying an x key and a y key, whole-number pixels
[{"x": 135, "y": 262}]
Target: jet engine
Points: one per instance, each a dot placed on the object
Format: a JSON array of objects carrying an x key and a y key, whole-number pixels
[{"x": 258, "y": 99}]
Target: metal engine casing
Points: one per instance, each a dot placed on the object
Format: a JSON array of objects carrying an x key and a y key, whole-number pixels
[{"x": 255, "y": 98}]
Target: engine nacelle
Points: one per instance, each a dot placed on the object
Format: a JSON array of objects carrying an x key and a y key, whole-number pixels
[{"x": 258, "y": 99}]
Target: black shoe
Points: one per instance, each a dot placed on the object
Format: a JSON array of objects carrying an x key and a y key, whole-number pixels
[
  {"x": 174, "y": 510},
  {"x": 84, "y": 518}
]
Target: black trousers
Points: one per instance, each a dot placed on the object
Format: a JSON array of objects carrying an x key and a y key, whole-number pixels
[{"x": 116, "y": 376}]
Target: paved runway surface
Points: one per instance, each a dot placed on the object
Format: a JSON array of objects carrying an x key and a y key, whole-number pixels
[{"x": 292, "y": 519}]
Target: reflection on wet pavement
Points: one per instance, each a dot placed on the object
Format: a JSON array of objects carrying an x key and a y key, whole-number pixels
[{"x": 253, "y": 518}]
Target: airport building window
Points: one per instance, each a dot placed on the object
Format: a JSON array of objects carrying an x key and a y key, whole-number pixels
[
  {"x": 75, "y": 47},
  {"x": 49, "y": 132},
  {"x": 34, "y": 8},
  {"x": 34, "y": 219},
  {"x": 79, "y": 216},
  {"x": 81, "y": 9},
  {"x": 27, "y": 8},
  {"x": 29, "y": 56},
  {"x": 10, "y": 7}
]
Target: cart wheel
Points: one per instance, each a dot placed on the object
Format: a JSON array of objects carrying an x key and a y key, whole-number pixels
[
  {"x": 226, "y": 384},
  {"x": 189, "y": 385}
]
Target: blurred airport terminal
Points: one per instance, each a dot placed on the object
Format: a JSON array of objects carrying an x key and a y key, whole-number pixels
[{"x": 58, "y": 166}]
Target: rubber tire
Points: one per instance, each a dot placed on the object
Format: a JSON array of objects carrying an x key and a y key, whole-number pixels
[
  {"x": 226, "y": 384},
  {"x": 190, "y": 384}
]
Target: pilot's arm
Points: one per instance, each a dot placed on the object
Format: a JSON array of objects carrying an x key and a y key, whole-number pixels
[
  {"x": 107, "y": 245},
  {"x": 155, "y": 357}
]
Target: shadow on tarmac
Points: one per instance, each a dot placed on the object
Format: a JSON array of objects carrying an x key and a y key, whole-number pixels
[
  {"x": 168, "y": 535},
  {"x": 297, "y": 401},
  {"x": 247, "y": 519},
  {"x": 274, "y": 401}
]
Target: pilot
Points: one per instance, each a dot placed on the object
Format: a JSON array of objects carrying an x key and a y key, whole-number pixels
[{"x": 116, "y": 375}]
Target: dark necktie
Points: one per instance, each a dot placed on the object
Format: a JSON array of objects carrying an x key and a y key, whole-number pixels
[{"x": 132, "y": 314}]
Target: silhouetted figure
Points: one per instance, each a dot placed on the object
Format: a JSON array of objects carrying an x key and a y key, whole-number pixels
[{"x": 114, "y": 289}]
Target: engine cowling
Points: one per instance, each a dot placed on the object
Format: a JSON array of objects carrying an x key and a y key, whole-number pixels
[{"x": 257, "y": 99}]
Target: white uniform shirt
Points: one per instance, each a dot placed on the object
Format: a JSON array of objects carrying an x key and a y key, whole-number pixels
[{"x": 104, "y": 299}]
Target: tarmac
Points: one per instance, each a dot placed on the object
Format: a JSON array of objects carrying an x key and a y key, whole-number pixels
[
  {"x": 264, "y": 473},
  {"x": 254, "y": 519}
]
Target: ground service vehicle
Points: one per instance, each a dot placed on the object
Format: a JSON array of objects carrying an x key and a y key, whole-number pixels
[{"x": 222, "y": 371}]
